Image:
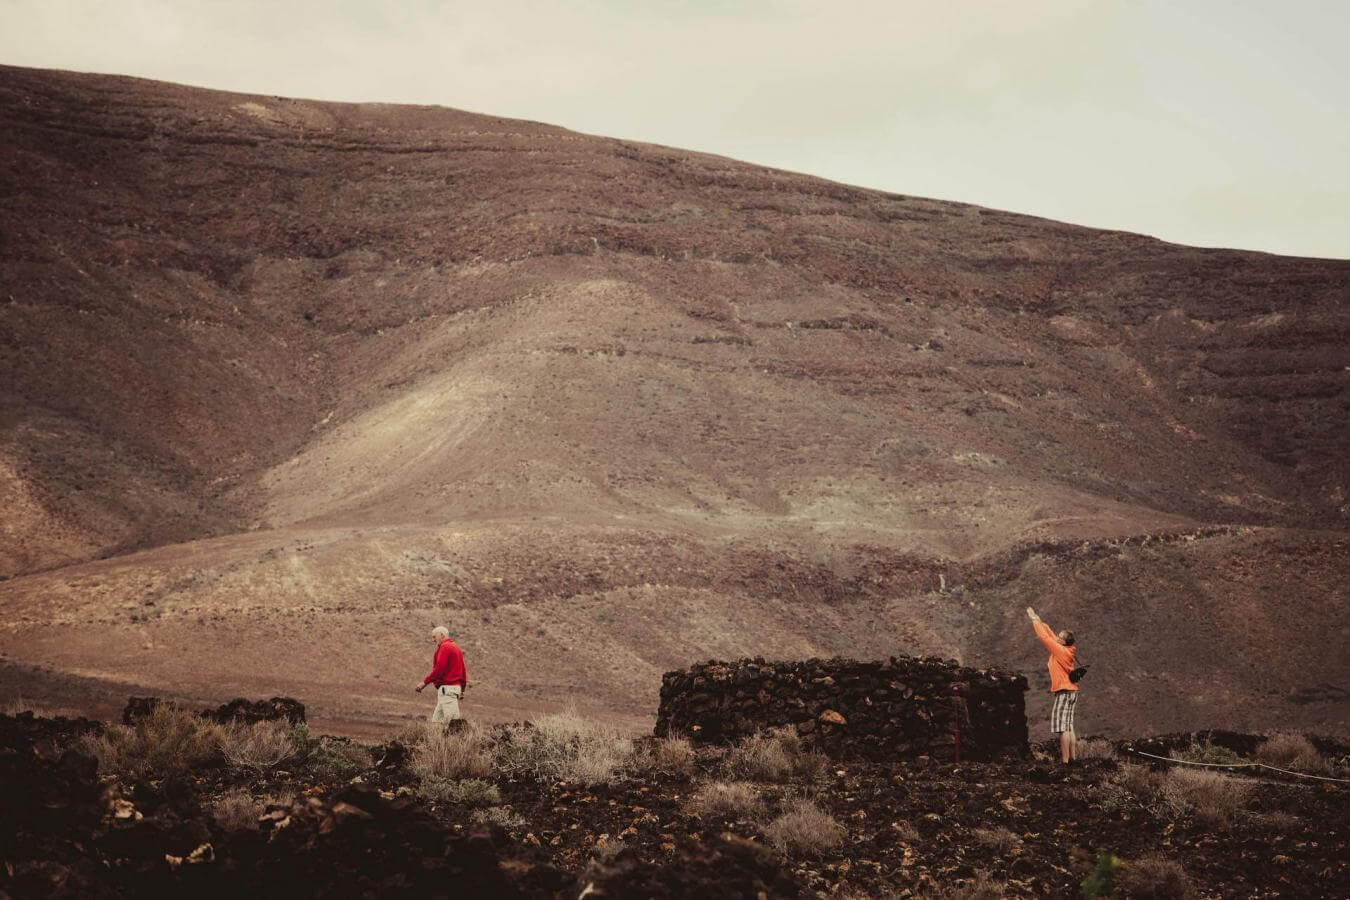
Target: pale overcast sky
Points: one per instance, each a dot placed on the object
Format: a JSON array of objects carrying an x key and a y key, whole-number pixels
[{"x": 1209, "y": 122}]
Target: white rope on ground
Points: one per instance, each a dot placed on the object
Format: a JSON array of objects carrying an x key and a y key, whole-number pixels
[{"x": 1242, "y": 765}]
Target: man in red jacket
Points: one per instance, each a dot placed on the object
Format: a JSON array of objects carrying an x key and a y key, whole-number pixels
[
  {"x": 448, "y": 674},
  {"x": 1063, "y": 659}
]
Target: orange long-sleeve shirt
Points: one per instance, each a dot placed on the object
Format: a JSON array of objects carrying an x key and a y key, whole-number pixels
[{"x": 1061, "y": 659}]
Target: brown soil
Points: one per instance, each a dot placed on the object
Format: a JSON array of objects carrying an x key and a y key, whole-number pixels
[{"x": 283, "y": 383}]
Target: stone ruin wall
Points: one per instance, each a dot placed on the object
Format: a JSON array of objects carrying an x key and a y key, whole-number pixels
[{"x": 902, "y": 707}]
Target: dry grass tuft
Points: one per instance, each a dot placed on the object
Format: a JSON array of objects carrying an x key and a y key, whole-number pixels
[
  {"x": 1141, "y": 781},
  {"x": 775, "y": 755},
  {"x": 674, "y": 755},
  {"x": 416, "y": 733},
  {"x": 257, "y": 745},
  {"x": 168, "y": 740},
  {"x": 1096, "y": 748},
  {"x": 981, "y": 887},
  {"x": 501, "y": 816},
  {"x": 1278, "y": 821},
  {"x": 1292, "y": 751},
  {"x": 236, "y": 810},
  {"x": 1207, "y": 752},
  {"x": 1153, "y": 877},
  {"x": 464, "y": 792},
  {"x": 804, "y": 829},
  {"x": 566, "y": 747},
  {"x": 1000, "y": 840},
  {"x": 726, "y": 798},
  {"x": 1212, "y": 798},
  {"x": 464, "y": 752}
]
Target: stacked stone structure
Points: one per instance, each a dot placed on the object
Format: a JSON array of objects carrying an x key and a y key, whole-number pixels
[{"x": 902, "y": 707}]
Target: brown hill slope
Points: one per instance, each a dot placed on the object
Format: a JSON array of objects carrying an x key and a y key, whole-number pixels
[{"x": 308, "y": 376}]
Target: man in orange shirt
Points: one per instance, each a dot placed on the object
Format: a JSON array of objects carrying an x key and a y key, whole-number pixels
[{"x": 1063, "y": 654}]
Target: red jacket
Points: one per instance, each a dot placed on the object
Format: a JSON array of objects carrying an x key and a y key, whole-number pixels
[{"x": 447, "y": 666}]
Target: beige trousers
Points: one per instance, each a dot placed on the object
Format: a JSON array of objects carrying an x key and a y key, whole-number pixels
[{"x": 447, "y": 703}]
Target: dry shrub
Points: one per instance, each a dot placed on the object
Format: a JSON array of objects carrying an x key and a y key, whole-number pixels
[
  {"x": 566, "y": 747},
  {"x": 981, "y": 887},
  {"x": 669, "y": 754},
  {"x": 1214, "y": 799},
  {"x": 335, "y": 757},
  {"x": 236, "y": 810},
  {"x": 1096, "y": 748},
  {"x": 805, "y": 829},
  {"x": 256, "y": 745},
  {"x": 1141, "y": 781},
  {"x": 416, "y": 733},
  {"x": 1000, "y": 840},
  {"x": 165, "y": 741},
  {"x": 774, "y": 755},
  {"x": 465, "y": 791},
  {"x": 1207, "y": 752},
  {"x": 1153, "y": 877},
  {"x": 725, "y": 798},
  {"x": 1291, "y": 751},
  {"x": 462, "y": 752},
  {"x": 1279, "y": 821},
  {"x": 501, "y": 816}
]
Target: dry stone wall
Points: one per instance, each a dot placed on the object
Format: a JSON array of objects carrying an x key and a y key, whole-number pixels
[{"x": 903, "y": 706}]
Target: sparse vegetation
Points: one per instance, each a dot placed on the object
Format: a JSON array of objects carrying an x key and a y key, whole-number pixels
[
  {"x": 461, "y": 752},
  {"x": 804, "y": 829},
  {"x": 1153, "y": 877},
  {"x": 1096, "y": 748},
  {"x": 1101, "y": 881},
  {"x": 737, "y": 799},
  {"x": 336, "y": 758},
  {"x": 1212, "y": 798},
  {"x": 257, "y": 745},
  {"x": 166, "y": 741},
  {"x": 1292, "y": 751},
  {"x": 1278, "y": 820},
  {"x": 464, "y": 791},
  {"x": 565, "y": 747},
  {"x": 1141, "y": 781},
  {"x": 981, "y": 887},
  {"x": 674, "y": 755},
  {"x": 1000, "y": 840},
  {"x": 775, "y": 755},
  {"x": 502, "y": 816},
  {"x": 1207, "y": 751},
  {"x": 236, "y": 810}
]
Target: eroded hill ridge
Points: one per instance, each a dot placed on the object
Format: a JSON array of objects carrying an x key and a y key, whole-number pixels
[{"x": 301, "y": 379}]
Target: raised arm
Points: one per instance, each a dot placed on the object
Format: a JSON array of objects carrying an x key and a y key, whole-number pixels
[{"x": 1047, "y": 637}]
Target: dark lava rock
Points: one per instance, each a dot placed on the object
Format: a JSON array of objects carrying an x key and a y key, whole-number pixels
[
  {"x": 139, "y": 708},
  {"x": 238, "y": 710},
  {"x": 272, "y": 710}
]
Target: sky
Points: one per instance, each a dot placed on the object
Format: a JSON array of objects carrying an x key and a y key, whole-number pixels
[{"x": 1209, "y": 122}]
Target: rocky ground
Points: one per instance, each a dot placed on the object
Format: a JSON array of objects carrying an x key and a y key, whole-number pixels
[{"x": 343, "y": 819}]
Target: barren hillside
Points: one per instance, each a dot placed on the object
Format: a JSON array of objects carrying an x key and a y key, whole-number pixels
[{"x": 283, "y": 383}]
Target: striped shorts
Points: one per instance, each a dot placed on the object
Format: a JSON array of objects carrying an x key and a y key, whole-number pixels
[{"x": 1061, "y": 712}]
